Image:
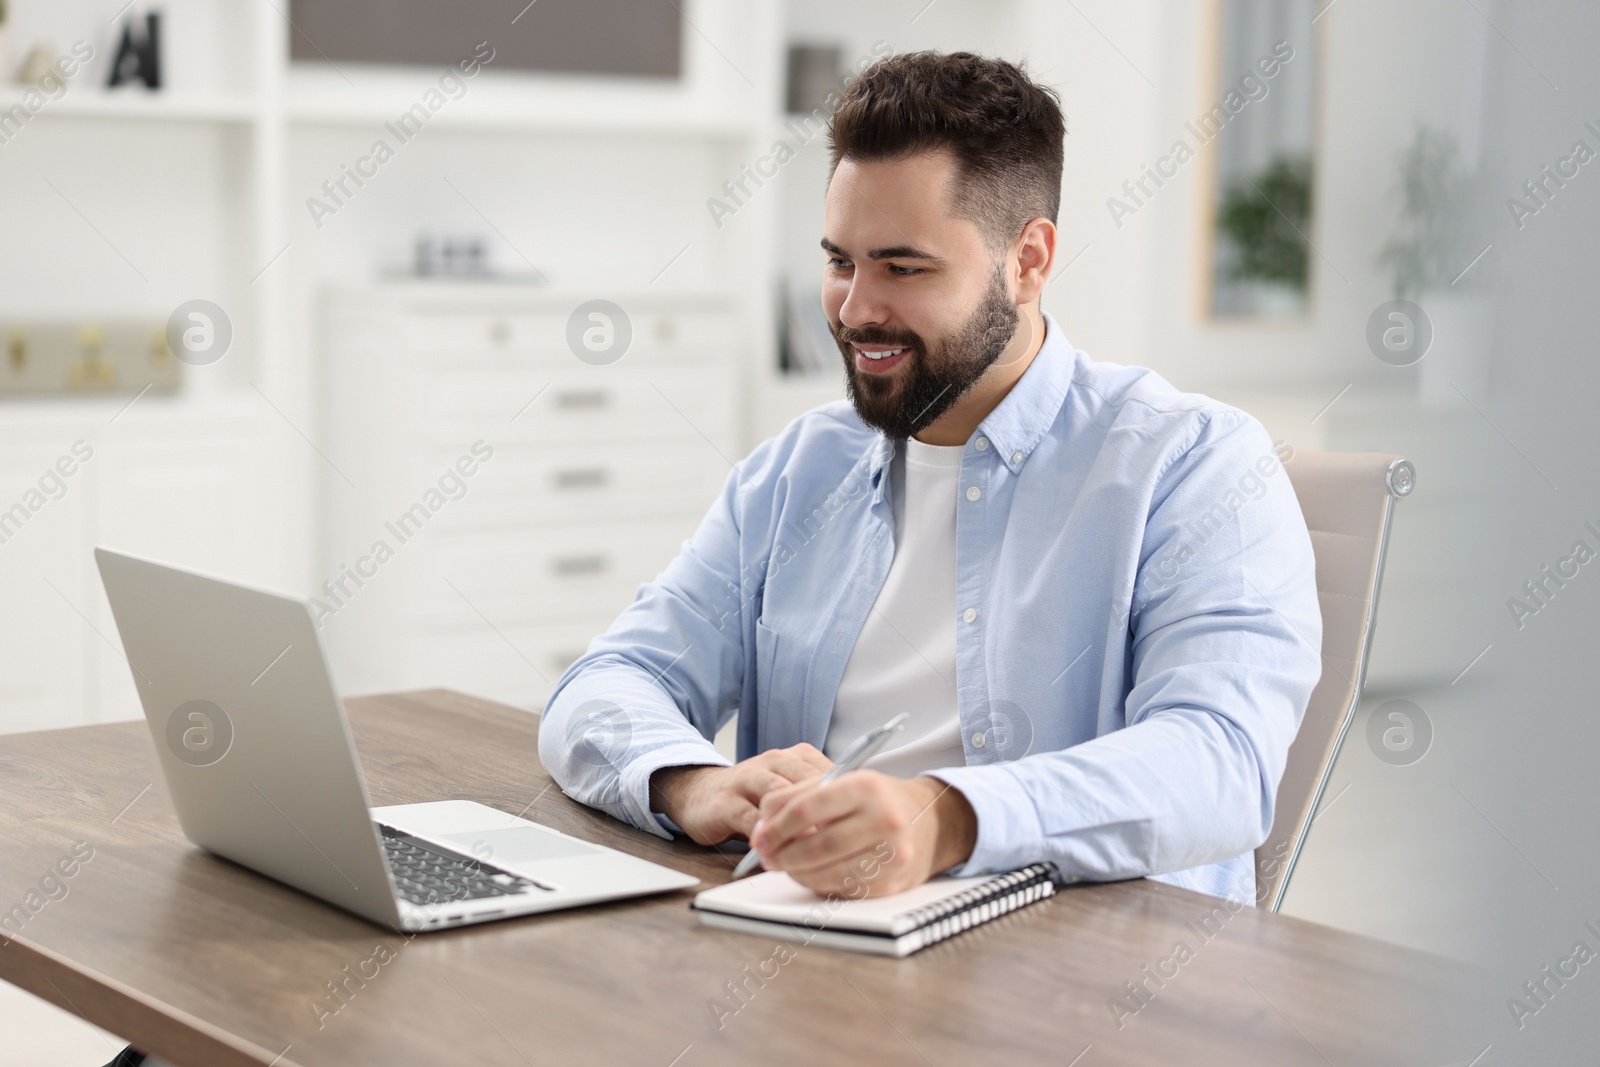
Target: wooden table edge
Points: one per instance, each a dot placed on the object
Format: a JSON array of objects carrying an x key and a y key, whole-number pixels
[{"x": 142, "y": 1020}]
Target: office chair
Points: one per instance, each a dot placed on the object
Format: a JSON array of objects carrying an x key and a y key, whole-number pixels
[{"x": 1348, "y": 500}]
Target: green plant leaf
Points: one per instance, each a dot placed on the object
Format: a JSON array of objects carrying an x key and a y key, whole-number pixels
[{"x": 1264, "y": 219}]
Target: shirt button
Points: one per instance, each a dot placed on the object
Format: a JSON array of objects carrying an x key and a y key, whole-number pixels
[
  {"x": 973, "y": 492},
  {"x": 977, "y": 739},
  {"x": 1016, "y": 457},
  {"x": 981, "y": 443},
  {"x": 971, "y": 615}
]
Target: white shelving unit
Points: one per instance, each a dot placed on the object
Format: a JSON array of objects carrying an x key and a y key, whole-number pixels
[
  {"x": 197, "y": 477},
  {"x": 213, "y": 173}
]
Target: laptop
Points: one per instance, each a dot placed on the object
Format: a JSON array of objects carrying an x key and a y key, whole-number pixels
[{"x": 258, "y": 757}]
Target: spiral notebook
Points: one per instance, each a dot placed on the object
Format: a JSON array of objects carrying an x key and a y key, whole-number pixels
[{"x": 774, "y": 905}]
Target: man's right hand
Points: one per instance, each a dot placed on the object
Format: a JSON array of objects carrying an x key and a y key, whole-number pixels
[{"x": 713, "y": 804}]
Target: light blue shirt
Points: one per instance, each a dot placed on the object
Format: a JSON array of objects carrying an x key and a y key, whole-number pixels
[{"x": 1138, "y": 630}]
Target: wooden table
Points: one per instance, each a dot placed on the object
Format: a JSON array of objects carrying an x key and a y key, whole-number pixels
[{"x": 208, "y": 965}]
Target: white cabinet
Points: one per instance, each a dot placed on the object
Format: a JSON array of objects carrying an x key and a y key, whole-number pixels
[
  {"x": 43, "y": 672},
  {"x": 492, "y": 501},
  {"x": 196, "y": 485},
  {"x": 202, "y": 499}
]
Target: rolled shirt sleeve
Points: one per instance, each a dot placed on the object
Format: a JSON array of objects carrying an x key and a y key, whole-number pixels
[{"x": 652, "y": 691}]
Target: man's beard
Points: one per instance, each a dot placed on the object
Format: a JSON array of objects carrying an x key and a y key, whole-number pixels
[{"x": 932, "y": 380}]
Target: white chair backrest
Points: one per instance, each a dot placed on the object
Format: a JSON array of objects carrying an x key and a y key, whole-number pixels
[{"x": 1347, "y": 499}]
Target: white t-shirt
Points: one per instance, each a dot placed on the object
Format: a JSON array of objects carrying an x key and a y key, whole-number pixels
[{"x": 905, "y": 657}]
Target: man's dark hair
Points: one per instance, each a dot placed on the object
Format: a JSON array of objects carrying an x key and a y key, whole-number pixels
[{"x": 1004, "y": 130}]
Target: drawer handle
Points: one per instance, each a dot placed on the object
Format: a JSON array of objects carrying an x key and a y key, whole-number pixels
[
  {"x": 583, "y": 398},
  {"x": 571, "y": 566},
  {"x": 582, "y": 478}
]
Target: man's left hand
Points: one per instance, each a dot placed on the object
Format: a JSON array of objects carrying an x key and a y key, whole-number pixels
[{"x": 831, "y": 838}]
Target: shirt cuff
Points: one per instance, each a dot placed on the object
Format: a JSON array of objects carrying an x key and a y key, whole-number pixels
[
  {"x": 1009, "y": 833},
  {"x": 636, "y": 780}
]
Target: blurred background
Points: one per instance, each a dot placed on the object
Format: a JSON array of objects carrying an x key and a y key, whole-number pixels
[{"x": 454, "y": 317}]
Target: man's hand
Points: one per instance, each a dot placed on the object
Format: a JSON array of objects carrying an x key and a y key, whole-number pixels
[
  {"x": 713, "y": 804},
  {"x": 830, "y": 837}
]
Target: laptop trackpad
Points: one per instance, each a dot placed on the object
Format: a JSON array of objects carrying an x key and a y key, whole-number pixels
[{"x": 518, "y": 844}]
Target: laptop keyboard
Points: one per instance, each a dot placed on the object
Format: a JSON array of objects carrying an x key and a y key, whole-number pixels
[{"x": 427, "y": 874}]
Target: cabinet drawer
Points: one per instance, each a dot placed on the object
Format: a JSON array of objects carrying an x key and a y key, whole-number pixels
[
  {"x": 536, "y": 485},
  {"x": 524, "y": 406},
  {"x": 518, "y": 665},
  {"x": 514, "y": 576},
  {"x": 656, "y": 337},
  {"x": 443, "y": 335},
  {"x": 684, "y": 335}
]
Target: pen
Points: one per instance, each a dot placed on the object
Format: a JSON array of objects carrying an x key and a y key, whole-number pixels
[{"x": 864, "y": 748}]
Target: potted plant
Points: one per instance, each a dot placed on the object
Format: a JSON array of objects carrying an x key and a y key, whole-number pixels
[
  {"x": 1263, "y": 220},
  {"x": 1428, "y": 256},
  {"x": 1428, "y": 249}
]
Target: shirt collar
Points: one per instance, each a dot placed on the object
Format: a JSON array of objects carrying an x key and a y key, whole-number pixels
[
  {"x": 1019, "y": 422},
  {"x": 1022, "y": 418}
]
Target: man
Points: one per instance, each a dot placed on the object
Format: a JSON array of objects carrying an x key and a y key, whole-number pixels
[{"x": 1088, "y": 590}]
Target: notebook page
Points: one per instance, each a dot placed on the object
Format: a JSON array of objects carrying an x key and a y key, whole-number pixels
[{"x": 775, "y": 897}]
